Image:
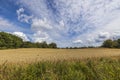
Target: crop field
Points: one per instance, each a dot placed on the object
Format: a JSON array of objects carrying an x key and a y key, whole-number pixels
[
  {"x": 60, "y": 64},
  {"x": 34, "y": 54}
]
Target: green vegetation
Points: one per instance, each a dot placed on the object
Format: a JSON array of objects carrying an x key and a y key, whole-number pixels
[
  {"x": 111, "y": 43},
  {"x": 8, "y": 40},
  {"x": 89, "y": 69}
]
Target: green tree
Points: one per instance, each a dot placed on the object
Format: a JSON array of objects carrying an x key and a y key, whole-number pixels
[
  {"x": 9, "y": 41},
  {"x": 28, "y": 45},
  {"x": 52, "y": 45},
  {"x": 108, "y": 44},
  {"x": 44, "y": 44},
  {"x": 118, "y": 45}
]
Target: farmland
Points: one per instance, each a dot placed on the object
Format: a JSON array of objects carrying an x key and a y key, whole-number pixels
[
  {"x": 35, "y": 54},
  {"x": 60, "y": 64}
]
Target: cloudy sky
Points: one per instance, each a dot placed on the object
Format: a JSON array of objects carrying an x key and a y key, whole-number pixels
[{"x": 65, "y": 22}]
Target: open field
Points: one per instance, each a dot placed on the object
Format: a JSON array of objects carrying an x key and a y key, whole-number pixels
[
  {"x": 60, "y": 64},
  {"x": 30, "y": 55}
]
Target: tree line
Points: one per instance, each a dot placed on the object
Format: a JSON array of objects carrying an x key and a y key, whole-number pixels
[
  {"x": 8, "y": 40},
  {"x": 111, "y": 43}
]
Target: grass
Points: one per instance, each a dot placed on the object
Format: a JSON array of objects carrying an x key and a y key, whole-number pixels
[
  {"x": 88, "y": 69},
  {"x": 60, "y": 64},
  {"x": 30, "y": 55}
]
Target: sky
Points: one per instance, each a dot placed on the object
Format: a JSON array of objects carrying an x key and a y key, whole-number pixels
[{"x": 68, "y": 23}]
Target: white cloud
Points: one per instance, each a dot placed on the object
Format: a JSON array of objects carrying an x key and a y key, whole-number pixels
[
  {"x": 39, "y": 24},
  {"x": 116, "y": 35},
  {"x": 21, "y": 35},
  {"x": 61, "y": 25},
  {"x": 104, "y": 35},
  {"x": 78, "y": 41},
  {"x": 37, "y": 7},
  {"x": 40, "y": 36},
  {"x": 113, "y": 25},
  {"x": 21, "y": 10},
  {"x": 8, "y": 26},
  {"x": 68, "y": 20},
  {"x": 23, "y": 17}
]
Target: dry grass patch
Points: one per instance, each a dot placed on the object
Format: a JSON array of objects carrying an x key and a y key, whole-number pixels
[{"x": 33, "y": 54}]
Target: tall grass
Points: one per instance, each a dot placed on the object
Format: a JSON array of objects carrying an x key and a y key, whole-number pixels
[{"x": 89, "y": 69}]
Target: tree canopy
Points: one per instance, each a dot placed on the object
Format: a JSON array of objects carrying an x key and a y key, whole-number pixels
[
  {"x": 111, "y": 43},
  {"x": 8, "y": 40}
]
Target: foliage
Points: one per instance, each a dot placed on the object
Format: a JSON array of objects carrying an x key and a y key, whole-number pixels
[
  {"x": 111, "y": 43},
  {"x": 52, "y": 45},
  {"x": 8, "y": 40},
  {"x": 28, "y": 44},
  {"x": 108, "y": 43},
  {"x": 90, "y": 69}
]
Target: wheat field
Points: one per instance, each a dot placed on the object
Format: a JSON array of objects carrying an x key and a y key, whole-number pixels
[
  {"x": 34, "y": 54},
  {"x": 60, "y": 64}
]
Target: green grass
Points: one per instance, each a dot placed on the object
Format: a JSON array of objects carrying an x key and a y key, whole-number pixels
[{"x": 88, "y": 69}]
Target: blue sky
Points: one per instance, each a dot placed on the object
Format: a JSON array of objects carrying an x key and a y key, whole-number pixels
[{"x": 66, "y": 22}]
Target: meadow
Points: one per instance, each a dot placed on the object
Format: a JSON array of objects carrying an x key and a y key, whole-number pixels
[{"x": 60, "y": 64}]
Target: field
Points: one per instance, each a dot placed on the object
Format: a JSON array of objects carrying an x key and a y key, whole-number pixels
[
  {"x": 60, "y": 64},
  {"x": 30, "y": 55}
]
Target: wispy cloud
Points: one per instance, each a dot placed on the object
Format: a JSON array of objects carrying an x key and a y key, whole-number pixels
[
  {"x": 66, "y": 21},
  {"x": 21, "y": 35},
  {"x": 23, "y": 17},
  {"x": 6, "y": 25}
]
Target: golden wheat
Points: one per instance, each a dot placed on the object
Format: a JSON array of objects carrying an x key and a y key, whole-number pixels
[{"x": 34, "y": 54}]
